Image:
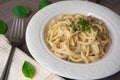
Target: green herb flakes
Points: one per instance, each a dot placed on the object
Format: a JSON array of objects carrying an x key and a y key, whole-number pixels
[
  {"x": 74, "y": 30},
  {"x": 71, "y": 25},
  {"x": 83, "y": 25}
]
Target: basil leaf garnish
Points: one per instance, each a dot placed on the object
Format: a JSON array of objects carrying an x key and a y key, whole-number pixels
[
  {"x": 28, "y": 69},
  {"x": 43, "y": 3},
  {"x": 21, "y": 11},
  {"x": 3, "y": 27}
]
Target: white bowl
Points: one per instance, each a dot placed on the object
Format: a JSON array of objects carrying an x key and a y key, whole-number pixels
[{"x": 105, "y": 67}]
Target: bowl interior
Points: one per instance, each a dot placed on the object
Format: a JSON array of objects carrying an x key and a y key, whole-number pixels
[{"x": 112, "y": 32}]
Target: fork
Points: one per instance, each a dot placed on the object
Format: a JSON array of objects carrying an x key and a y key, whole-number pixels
[{"x": 16, "y": 37}]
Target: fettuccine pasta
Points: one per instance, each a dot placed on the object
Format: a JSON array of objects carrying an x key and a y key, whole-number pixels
[{"x": 78, "y": 38}]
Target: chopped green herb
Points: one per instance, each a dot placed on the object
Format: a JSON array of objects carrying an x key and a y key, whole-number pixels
[
  {"x": 74, "y": 30},
  {"x": 78, "y": 28},
  {"x": 71, "y": 25},
  {"x": 82, "y": 21},
  {"x": 43, "y": 4},
  {"x": 28, "y": 69},
  {"x": 83, "y": 25},
  {"x": 87, "y": 29},
  {"x": 21, "y": 11},
  {"x": 3, "y": 27}
]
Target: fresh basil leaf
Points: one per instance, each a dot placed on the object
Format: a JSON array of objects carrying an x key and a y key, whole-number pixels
[
  {"x": 28, "y": 69},
  {"x": 3, "y": 27},
  {"x": 43, "y": 3},
  {"x": 21, "y": 11}
]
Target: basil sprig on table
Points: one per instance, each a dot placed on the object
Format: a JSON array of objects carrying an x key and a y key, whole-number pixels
[
  {"x": 21, "y": 11},
  {"x": 3, "y": 27},
  {"x": 83, "y": 25},
  {"x": 28, "y": 69},
  {"x": 43, "y": 3}
]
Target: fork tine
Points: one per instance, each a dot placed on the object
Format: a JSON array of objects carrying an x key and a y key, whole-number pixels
[
  {"x": 22, "y": 32},
  {"x": 18, "y": 28},
  {"x": 12, "y": 29}
]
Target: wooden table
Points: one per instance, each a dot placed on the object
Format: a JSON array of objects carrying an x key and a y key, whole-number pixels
[{"x": 7, "y": 16}]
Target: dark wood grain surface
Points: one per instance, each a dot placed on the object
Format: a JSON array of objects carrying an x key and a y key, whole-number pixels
[{"x": 7, "y": 16}]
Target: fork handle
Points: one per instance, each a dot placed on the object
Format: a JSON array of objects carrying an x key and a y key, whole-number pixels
[{"x": 8, "y": 64}]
